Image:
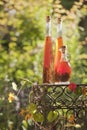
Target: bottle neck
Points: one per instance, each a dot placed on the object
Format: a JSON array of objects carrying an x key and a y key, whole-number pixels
[
  {"x": 64, "y": 56},
  {"x": 59, "y": 30},
  {"x": 48, "y": 29}
]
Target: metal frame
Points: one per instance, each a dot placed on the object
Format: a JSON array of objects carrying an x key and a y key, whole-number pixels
[{"x": 57, "y": 97}]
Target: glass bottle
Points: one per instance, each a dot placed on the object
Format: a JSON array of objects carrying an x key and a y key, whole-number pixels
[
  {"x": 64, "y": 69},
  {"x": 59, "y": 44},
  {"x": 47, "y": 52}
]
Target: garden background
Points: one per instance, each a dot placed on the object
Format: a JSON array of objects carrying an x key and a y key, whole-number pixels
[{"x": 22, "y": 34}]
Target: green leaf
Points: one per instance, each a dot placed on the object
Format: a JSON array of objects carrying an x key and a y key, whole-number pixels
[
  {"x": 38, "y": 117},
  {"x": 25, "y": 124},
  {"x": 52, "y": 115},
  {"x": 32, "y": 108},
  {"x": 23, "y": 128}
]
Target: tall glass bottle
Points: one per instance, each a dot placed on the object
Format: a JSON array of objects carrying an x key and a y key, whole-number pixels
[
  {"x": 59, "y": 44},
  {"x": 47, "y": 52}
]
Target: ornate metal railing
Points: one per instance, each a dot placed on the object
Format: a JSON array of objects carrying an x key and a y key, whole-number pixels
[{"x": 70, "y": 106}]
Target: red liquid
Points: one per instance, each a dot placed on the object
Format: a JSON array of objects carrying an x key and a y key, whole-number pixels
[
  {"x": 59, "y": 44},
  {"x": 47, "y": 60}
]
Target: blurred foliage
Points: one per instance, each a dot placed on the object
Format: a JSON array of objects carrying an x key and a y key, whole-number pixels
[
  {"x": 22, "y": 24},
  {"x": 21, "y": 34}
]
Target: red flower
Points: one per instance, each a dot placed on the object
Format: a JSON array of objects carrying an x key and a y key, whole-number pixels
[{"x": 72, "y": 87}]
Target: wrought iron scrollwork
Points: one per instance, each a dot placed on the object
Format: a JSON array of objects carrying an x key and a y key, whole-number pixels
[{"x": 57, "y": 97}]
